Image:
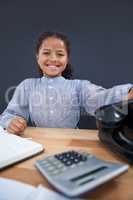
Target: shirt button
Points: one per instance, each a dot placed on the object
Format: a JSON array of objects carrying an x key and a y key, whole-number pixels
[
  {"x": 50, "y": 87},
  {"x": 51, "y": 98},
  {"x": 51, "y": 111},
  {"x": 51, "y": 80}
]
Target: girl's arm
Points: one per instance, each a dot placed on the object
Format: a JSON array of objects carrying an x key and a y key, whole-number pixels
[
  {"x": 94, "y": 96},
  {"x": 18, "y": 106}
]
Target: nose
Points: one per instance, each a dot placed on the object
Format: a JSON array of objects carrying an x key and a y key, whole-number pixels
[{"x": 53, "y": 57}]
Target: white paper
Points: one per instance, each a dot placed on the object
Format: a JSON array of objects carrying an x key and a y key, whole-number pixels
[
  {"x": 42, "y": 193},
  {"x": 14, "y": 190}
]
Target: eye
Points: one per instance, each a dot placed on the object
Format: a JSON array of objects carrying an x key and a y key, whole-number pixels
[
  {"x": 45, "y": 52},
  {"x": 60, "y": 54}
]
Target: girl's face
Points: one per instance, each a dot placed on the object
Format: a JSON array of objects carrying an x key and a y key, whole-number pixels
[{"x": 52, "y": 57}]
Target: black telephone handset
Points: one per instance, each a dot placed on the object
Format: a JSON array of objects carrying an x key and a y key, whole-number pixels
[{"x": 115, "y": 124}]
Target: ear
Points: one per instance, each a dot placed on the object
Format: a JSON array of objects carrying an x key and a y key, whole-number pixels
[{"x": 37, "y": 57}]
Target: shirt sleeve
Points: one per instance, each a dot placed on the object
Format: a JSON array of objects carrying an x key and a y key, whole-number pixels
[
  {"x": 18, "y": 106},
  {"x": 93, "y": 96}
]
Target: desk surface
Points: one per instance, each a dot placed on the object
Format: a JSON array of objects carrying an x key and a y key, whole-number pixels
[{"x": 58, "y": 140}]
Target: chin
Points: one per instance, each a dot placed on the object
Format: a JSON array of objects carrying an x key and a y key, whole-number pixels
[{"x": 52, "y": 74}]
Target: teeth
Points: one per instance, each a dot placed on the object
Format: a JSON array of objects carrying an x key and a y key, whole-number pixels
[{"x": 51, "y": 66}]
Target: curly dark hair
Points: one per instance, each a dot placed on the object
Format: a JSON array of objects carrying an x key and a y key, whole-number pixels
[{"x": 68, "y": 72}]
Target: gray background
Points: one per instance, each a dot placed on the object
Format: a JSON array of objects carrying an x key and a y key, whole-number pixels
[{"x": 101, "y": 35}]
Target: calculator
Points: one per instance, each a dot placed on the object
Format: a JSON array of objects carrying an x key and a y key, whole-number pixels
[{"x": 74, "y": 173}]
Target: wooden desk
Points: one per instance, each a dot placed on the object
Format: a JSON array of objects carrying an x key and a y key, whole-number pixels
[{"x": 58, "y": 140}]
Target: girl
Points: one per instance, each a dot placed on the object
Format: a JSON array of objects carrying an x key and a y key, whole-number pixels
[{"x": 55, "y": 100}]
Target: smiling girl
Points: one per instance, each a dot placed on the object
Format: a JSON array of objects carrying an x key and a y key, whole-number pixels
[{"x": 55, "y": 99}]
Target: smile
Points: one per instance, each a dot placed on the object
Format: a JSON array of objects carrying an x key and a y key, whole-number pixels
[{"x": 53, "y": 67}]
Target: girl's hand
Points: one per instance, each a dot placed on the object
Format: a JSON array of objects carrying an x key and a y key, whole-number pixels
[
  {"x": 130, "y": 94},
  {"x": 17, "y": 125}
]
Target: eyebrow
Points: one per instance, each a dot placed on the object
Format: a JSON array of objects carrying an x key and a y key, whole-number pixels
[
  {"x": 59, "y": 50},
  {"x": 46, "y": 49}
]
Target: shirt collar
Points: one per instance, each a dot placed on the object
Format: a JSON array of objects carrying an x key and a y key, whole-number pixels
[{"x": 56, "y": 78}]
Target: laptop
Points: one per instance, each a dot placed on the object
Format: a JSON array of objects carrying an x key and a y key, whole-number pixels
[{"x": 14, "y": 148}]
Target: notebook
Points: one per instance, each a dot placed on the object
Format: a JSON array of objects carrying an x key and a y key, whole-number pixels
[
  {"x": 14, "y": 148},
  {"x": 25, "y": 191}
]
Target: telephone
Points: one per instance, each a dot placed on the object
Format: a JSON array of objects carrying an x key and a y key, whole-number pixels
[{"x": 115, "y": 124}]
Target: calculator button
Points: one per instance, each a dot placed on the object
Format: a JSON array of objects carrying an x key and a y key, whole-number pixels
[
  {"x": 43, "y": 162},
  {"x": 71, "y": 157},
  {"x": 46, "y": 164},
  {"x": 68, "y": 163},
  {"x": 51, "y": 168},
  {"x": 76, "y": 160},
  {"x": 51, "y": 159},
  {"x": 63, "y": 169},
  {"x": 59, "y": 157},
  {"x": 55, "y": 172},
  {"x": 84, "y": 158},
  {"x": 56, "y": 162},
  {"x": 59, "y": 165},
  {"x": 73, "y": 165}
]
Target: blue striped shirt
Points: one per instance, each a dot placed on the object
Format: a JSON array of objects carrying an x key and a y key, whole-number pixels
[{"x": 56, "y": 102}]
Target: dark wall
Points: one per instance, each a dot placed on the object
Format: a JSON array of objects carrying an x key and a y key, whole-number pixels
[{"x": 101, "y": 35}]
